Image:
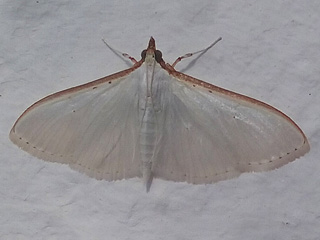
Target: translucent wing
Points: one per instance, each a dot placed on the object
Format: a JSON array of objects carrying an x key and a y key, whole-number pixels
[
  {"x": 93, "y": 127},
  {"x": 211, "y": 134}
]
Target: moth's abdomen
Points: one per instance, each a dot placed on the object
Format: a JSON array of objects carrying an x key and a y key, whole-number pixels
[{"x": 147, "y": 139}]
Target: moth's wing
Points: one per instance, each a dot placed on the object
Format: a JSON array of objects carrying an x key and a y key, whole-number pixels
[
  {"x": 211, "y": 134},
  {"x": 92, "y": 127}
]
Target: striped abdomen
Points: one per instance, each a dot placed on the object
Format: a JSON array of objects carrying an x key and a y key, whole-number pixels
[{"x": 147, "y": 139}]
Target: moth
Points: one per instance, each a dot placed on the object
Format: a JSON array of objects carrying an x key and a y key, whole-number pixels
[{"x": 152, "y": 121}]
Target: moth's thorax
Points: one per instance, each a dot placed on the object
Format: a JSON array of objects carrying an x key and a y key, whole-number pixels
[
  {"x": 149, "y": 74},
  {"x": 150, "y": 59}
]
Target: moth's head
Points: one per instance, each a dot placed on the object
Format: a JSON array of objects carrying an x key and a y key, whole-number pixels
[{"x": 151, "y": 54}]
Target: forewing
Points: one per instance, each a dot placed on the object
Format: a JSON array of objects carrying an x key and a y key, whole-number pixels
[
  {"x": 211, "y": 134},
  {"x": 93, "y": 128}
]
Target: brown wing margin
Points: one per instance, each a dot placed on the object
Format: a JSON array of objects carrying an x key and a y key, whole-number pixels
[{"x": 83, "y": 87}]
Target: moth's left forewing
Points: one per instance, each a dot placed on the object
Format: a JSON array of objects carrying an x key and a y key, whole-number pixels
[{"x": 92, "y": 127}]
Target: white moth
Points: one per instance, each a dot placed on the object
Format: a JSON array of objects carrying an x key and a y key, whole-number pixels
[{"x": 153, "y": 121}]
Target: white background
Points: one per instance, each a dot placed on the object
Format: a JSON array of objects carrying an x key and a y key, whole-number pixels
[{"x": 270, "y": 51}]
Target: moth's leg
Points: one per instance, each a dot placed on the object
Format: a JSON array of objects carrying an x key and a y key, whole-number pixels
[
  {"x": 191, "y": 54},
  {"x": 132, "y": 59}
]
